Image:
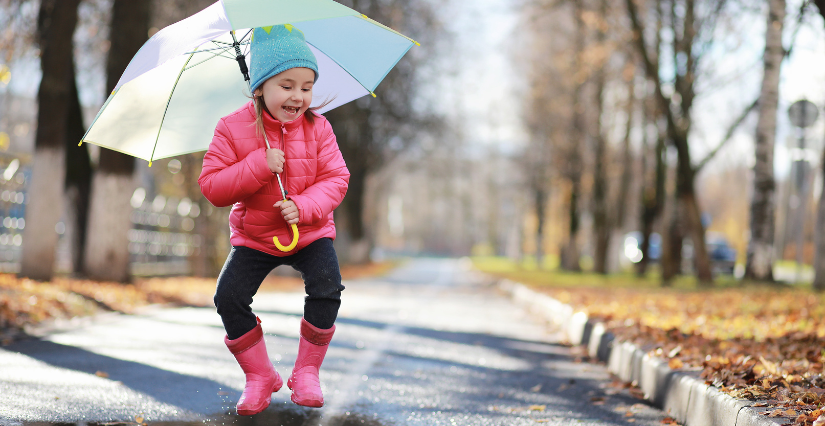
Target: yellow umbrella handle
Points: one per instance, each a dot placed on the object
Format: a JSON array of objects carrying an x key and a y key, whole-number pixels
[{"x": 292, "y": 244}]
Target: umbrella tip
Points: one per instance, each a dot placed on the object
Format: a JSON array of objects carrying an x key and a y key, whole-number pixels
[
  {"x": 150, "y": 164},
  {"x": 81, "y": 143},
  {"x": 373, "y": 95}
]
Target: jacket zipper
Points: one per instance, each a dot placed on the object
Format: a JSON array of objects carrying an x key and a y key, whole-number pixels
[{"x": 283, "y": 148}]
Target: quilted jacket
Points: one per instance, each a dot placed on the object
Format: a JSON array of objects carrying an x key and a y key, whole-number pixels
[{"x": 235, "y": 173}]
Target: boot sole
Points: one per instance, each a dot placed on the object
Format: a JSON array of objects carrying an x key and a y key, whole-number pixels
[
  {"x": 311, "y": 403},
  {"x": 256, "y": 410},
  {"x": 314, "y": 403}
]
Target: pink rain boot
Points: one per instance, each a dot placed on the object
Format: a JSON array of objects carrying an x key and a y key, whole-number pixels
[
  {"x": 304, "y": 380},
  {"x": 261, "y": 377}
]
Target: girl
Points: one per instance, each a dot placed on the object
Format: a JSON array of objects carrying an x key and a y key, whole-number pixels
[{"x": 239, "y": 170}]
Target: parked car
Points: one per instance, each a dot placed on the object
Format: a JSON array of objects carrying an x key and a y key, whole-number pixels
[{"x": 722, "y": 254}]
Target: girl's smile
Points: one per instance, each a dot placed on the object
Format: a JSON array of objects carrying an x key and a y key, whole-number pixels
[{"x": 288, "y": 94}]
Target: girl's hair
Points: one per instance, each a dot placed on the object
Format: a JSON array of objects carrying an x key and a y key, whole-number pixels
[{"x": 260, "y": 107}]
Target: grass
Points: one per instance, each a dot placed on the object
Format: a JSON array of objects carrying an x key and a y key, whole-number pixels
[{"x": 528, "y": 272}]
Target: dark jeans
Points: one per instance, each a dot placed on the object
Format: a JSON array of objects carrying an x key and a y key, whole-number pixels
[{"x": 246, "y": 268}]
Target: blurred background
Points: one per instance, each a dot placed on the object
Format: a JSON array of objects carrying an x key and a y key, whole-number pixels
[{"x": 654, "y": 138}]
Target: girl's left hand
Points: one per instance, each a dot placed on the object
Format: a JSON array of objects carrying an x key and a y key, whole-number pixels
[{"x": 289, "y": 211}]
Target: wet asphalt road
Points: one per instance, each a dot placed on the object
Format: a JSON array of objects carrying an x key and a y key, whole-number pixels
[{"x": 430, "y": 344}]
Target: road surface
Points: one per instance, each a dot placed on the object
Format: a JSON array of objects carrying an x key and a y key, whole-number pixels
[{"x": 432, "y": 343}]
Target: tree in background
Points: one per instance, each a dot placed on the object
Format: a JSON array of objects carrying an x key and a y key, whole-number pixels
[
  {"x": 760, "y": 256},
  {"x": 56, "y": 24},
  {"x": 78, "y": 184},
  {"x": 819, "y": 261},
  {"x": 107, "y": 246},
  {"x": 691, "y": 24},
  {"x": 366, "y": 127}
]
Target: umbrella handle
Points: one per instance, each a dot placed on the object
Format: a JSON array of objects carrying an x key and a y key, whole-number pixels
[{"x": 292, "y": 244}]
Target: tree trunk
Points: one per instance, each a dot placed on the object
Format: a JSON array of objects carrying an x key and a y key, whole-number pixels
[
  {"x": 359, "y": 246},
  {"x": 686, "y": 193},
  {"x": 601, "y": 221},
  {"x": 541, "y": 201},
  {"x": 570, "y": 251},
  {"x": 601, "y": 218},
  {"x": 653, "y": 201},
  {"x": 672, "y": 236},
  {"x": 107, "y": 253},
  {"x": 819, "y": 262},
  {"x": 819, "y": 237},
  {"x": 760, "y": 255},
  {"x": 56, "y": 24},
  {"x": 78, "y": 181}
]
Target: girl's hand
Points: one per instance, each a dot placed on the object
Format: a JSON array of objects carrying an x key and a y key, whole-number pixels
[
  {"x": 289, "y": 211},
  {"x": 275, "y": 160}
]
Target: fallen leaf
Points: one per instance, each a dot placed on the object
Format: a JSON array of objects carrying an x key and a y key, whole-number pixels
[
  {"x": 669, "y": 421},
  {"x": 675, "y": 364},
  {"x": 139, "y": 419},
  {"x": 103, "y": 374},
  {"x": 537, "y": 407},
  {"x": 820, "y": 421},
  {"x": 536, "y": 388}
]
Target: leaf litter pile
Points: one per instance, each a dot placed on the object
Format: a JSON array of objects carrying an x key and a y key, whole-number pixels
[
  {"x": 765, "y": 344},
  {"x": 25, "y": 304}
]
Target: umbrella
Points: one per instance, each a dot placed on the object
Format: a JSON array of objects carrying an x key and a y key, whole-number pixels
[{"x": 186, "y": 76}]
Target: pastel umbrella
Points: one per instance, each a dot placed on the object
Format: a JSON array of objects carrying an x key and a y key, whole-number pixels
[{"x": 185, "y": 77}]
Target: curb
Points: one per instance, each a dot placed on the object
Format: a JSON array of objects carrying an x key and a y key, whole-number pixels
[{"x": 682, "y": 394}]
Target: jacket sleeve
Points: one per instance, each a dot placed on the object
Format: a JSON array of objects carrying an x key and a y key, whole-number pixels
[
  {"x": 225, "y": 179},
  {"x": 318, "y": 200}
]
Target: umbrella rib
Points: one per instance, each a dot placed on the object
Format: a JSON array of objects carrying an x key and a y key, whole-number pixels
[
  {"x": 207, "y": 59},
  {"x": 374, "y": 22},
  {"x": 165, "y": 110}
]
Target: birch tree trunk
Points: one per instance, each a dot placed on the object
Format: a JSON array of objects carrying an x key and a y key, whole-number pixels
[
  {"x": 56, "y": 24},
  {"x": 760, "y": 255},
  {"x": 107, "y": 244}
]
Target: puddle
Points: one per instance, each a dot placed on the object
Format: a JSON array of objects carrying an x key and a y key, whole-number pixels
[{"x": 268, "y": 417}]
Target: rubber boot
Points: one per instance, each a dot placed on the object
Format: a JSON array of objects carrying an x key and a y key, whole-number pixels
[
  {"x": 304, "y": 380},
  {"x": 261, "y": 377}
]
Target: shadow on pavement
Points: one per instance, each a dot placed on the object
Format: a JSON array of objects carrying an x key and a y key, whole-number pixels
[
  {"x": 191, "y": 393},
  {"x": 281, "y": 417}
]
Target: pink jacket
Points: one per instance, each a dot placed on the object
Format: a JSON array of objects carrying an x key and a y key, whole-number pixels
[{"x": 235, "y": 173}]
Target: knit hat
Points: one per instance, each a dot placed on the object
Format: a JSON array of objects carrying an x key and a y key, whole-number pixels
[{"x": 276, "y": 49}]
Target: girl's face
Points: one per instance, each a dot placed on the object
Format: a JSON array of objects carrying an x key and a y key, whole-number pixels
[{"x": 288, "y": 95}]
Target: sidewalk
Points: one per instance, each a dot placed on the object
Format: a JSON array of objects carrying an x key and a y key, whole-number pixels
[{"x": 682, "y": 394}]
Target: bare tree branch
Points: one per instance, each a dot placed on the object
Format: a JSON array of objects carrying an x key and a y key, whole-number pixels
[{"x": 728, "y": 135}]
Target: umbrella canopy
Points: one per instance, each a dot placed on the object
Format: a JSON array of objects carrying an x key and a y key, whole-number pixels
[{"x": 185, "y": 78}]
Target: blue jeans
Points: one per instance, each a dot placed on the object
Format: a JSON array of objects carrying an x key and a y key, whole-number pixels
[{"x": 246, "y": 268}]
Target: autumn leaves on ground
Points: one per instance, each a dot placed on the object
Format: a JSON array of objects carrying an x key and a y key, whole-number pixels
[
  {"x": 763, "y": 343},
  {"x": 25, "y": 303}
]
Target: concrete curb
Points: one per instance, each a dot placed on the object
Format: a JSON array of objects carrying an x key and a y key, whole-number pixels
[{"x": 682, "y": 394}]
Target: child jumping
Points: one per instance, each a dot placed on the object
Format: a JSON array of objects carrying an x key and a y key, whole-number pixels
[{"x": 240, "y": 171}]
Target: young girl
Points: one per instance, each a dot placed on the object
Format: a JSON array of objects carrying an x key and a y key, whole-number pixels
[{"x": 239, "y": 170}]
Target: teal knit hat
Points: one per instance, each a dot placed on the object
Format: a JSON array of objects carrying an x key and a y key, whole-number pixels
[{"x": 276, "y": 49}]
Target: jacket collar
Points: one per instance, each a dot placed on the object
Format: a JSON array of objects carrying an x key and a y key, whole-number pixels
[{"x": 270, "y": 123}]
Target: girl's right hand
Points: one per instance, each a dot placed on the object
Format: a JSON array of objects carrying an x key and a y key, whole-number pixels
[{"x": 275, "y": 160}]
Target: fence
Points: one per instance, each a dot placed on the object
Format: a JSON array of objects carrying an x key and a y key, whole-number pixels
[{"x": 161, "y": 240}]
